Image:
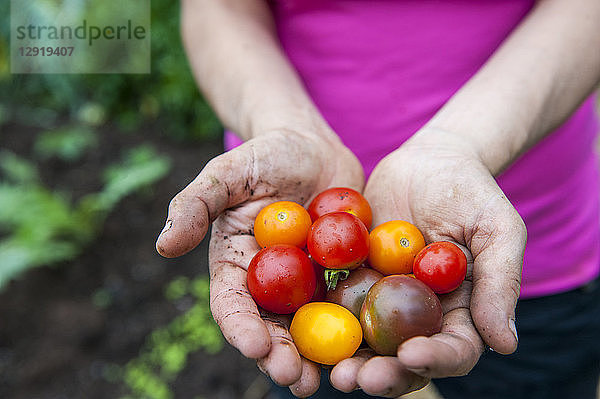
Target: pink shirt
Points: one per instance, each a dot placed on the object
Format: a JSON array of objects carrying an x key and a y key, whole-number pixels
[{"x": 378, "y": 70}]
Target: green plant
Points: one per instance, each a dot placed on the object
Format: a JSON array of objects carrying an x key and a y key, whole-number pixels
[
  {"x": 68, "y": 143},
  {"x": 17, "y": 170},
  {"x": 166, "y": 350},
  {"x": 139, "y": 169},
  {"x": 42, "y": 227}
]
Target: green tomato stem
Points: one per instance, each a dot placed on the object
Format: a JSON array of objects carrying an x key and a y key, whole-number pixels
[{"x": 333, "y": 275}]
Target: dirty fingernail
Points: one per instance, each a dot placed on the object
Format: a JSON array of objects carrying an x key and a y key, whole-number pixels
[
  {"x": 167, "y": 227},
  {"x": 513, "y": 328}
]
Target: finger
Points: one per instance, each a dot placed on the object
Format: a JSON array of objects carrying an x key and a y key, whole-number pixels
[
  {"x": 452, "y": 352},
  {"x": 497, "y": 243},
  {"x": 309, "y": 381},
  {"x": 386, "y": 376},
  {"x": 224, "y": 182},
  {"x": 343, "y": 376},
  {"x": 283, "y": 362},
  {"x": 235, "y": 311}
]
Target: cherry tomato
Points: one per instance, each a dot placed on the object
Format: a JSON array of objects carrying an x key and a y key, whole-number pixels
[
  {"x": 442, "y": 266},
  {"x": 282, "y": 222},
  {"x": 397, "y": 308},
  {"x": 325, "y": 333},
  {"x": 351, "y": 292},
  {"x": 393, "y": 247},
  {"x": 338, "y": 240},
  {"x": 341, "y": 199},
  {"x": 281, "y": 278}
]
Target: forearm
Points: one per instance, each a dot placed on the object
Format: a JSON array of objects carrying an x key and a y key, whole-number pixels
[
  {"x": 241, "y": 69},
  {"x": 533, "y": 82}
]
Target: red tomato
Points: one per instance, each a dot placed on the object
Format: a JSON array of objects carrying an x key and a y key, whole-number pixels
[
  {"x": 321, "y": 290},
  {"x": 442, "y": 266},
  {"x": 340, "y": 199},
  {"x": 281, "y": 278},
  {"x": 338, "y": 240}
]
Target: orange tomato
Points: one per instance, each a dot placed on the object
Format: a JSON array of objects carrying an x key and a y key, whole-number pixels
[
  {"x": 393, "y": 247},
  {"x": 282, "y": 222}
]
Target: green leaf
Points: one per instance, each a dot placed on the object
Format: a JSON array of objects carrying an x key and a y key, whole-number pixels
[
  {"x": 177, "y": 288},
  {"x": 67, "y": 143},
  {"x": 19, "y": 255},
  {"x": 42, "y": 229},
  {"x": 33, "y": 206},
  {"x": 16, "y": 169},
  {"x": 92, "y": 114},
  {"x": 140, "y": 168}
]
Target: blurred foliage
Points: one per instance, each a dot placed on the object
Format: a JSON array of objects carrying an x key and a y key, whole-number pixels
[
  {"x": 17, "y": 170},
  {"x": 166, "y": 350},
  {"x": 39, "y": 226},
  {"x": 168, "y": 95},
  {"x": 42, "y": 227},
  {"x": 66, "y": 143},
  {"x": 139, "y": 169}
]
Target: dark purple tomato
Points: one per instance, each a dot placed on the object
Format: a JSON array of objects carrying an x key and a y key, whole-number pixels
[
  {"x": 351, "y": 292},
  {"x": 397, "y": 308},
  {"x": 338, "y": 240},
  {"x": 281, "y": 278}
]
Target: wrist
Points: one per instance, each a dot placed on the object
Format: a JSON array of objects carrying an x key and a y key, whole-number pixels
[
  {"x": 294, "y": 117},
  {"x": 441, "y": 143},
  {"x": 492, "y": 144}
]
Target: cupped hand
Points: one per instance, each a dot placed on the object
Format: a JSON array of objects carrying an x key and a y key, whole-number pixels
[
  {"x": 436, "y": 182},
  {"x": 230, "y": 191}
]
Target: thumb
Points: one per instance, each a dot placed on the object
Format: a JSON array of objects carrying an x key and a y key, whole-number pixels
[
  {"x": 497, "y": 244},
  {"x": 224, "y": 182}
]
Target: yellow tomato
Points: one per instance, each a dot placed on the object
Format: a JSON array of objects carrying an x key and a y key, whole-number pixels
[
  {"x": 393, "y": 247},
  {"x": 325, "y": 333}
]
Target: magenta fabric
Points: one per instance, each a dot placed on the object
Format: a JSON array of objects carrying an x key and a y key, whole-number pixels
[{"x": 379, "y": 70}]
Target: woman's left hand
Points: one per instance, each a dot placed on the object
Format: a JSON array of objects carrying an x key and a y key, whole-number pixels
[{"x": 437, "y": 183}]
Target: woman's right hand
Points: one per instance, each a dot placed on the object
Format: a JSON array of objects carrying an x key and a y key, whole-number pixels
[{"x": 230, "y": 191}]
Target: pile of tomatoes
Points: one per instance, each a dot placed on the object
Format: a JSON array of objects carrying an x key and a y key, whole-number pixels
[{"x": 344, "y": 283}]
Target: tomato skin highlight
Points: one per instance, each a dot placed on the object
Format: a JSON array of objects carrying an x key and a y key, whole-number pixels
[
  {"x": 281, "y": 278},
  {"x": 442, "y": 266},
  {"x": 351, "y": 292},
  {"x": 338, "y": 240},
  {"x": 397, "y": 308},
  {"x": 341, "y": 199},
  {"x": 325, "y": 333},
  {"x": 282, "y": 222},
  {"x": 393, "y": 247}
]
